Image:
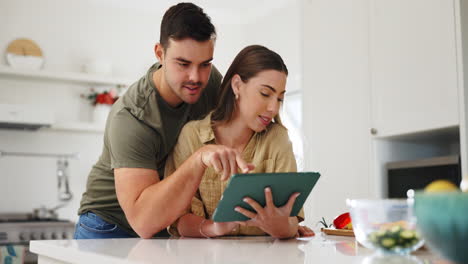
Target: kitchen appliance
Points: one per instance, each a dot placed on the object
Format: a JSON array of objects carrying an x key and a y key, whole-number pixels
[
  {"x": 416, "y": 174},
  {"x": 42, "y": 223},
  {"x": 20, "y": 228},
  {"x": 24, "y": 117},
  {"x": 64, "y": 193}
]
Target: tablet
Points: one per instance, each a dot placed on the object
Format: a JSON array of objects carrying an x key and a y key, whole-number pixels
[{"x": 253, "y": 185}]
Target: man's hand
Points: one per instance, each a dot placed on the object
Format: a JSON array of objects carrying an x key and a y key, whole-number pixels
[{"x": 224, "y": 160}]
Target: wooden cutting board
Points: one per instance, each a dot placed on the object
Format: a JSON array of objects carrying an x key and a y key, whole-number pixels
[{"x": 338, "y": 232}]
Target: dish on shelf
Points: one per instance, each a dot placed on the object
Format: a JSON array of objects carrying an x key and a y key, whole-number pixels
[{"x": 24, "y": 54}]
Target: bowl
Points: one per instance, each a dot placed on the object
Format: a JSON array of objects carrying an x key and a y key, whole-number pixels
[
  {"x": 386, "y": 225},
  {"x": 443, "y": 222},
  {"x": 25, "y": 62}
]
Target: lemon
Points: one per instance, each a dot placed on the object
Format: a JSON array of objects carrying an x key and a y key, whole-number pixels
[{"x": 441, "y": 186}]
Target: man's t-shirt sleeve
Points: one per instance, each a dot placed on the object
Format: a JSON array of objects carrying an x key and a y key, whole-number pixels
[{"x": 131, "y": 143}]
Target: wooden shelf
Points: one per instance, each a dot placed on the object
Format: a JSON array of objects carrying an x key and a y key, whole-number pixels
[
  {"x": 75, "y": 77},
  {"x": 78, "y": 127}
]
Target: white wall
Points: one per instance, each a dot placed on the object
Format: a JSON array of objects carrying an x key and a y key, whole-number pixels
[
  {"x": 72, "y": 32},
  {"x": 280, "y": 31},
  {"x": 336, "y": 103}
]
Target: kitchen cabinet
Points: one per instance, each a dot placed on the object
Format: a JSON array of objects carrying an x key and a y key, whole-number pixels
[
  {"x": 63, "y": 80},
  {"x": 419, "y": 103},
  {"x": 388, "y": 66},
  {"x": 413, "y": 66}
]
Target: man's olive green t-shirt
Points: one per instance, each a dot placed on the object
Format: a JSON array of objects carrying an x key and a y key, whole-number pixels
[{"x": 141, "y": 130}]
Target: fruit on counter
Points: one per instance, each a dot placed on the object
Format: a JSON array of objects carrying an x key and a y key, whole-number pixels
[
  {"x": 343, "y": 221},
  {"x": 394, "y": 238},
  {"x": 441, "y": 186}
]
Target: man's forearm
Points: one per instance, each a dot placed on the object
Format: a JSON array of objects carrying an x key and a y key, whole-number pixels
[{"x": 160, "y": 204}]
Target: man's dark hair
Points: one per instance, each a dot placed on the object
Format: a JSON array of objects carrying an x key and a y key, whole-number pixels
[{"x": 186, "y": 20}]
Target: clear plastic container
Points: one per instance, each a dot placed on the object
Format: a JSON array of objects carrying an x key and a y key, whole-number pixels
[{"x": 387, "y": 225}]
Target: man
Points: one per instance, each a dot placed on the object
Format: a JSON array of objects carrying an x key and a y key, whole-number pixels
[{"x": 126, "y": 195}]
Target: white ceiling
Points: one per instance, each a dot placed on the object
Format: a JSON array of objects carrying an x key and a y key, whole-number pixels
[{"x": 221, "y": 11}]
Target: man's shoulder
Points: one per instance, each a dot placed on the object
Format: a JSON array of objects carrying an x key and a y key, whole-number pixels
[
  {"x": 137, "y": 95},
  {"x": 122, "y": 116},
  {"x": 123, "y": 122}
]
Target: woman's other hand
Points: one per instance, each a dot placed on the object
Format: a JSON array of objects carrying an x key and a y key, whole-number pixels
[{"x": 271, "y": 219}]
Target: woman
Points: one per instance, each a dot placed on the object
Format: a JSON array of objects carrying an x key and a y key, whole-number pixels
[{"x": 247, "y": 124}]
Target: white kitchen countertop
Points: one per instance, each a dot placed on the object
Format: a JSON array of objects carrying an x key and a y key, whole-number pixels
[{"x": 319, "y": 249}]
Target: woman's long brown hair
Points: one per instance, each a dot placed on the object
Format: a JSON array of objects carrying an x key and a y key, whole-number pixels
[{"x": 248, "y": 63}]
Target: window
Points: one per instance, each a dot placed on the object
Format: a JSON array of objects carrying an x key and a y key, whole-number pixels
[{"x": 291, "y": 114}]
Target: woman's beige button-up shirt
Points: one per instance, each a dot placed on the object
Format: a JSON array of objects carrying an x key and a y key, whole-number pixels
[{"x": 269, "y": 151}]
